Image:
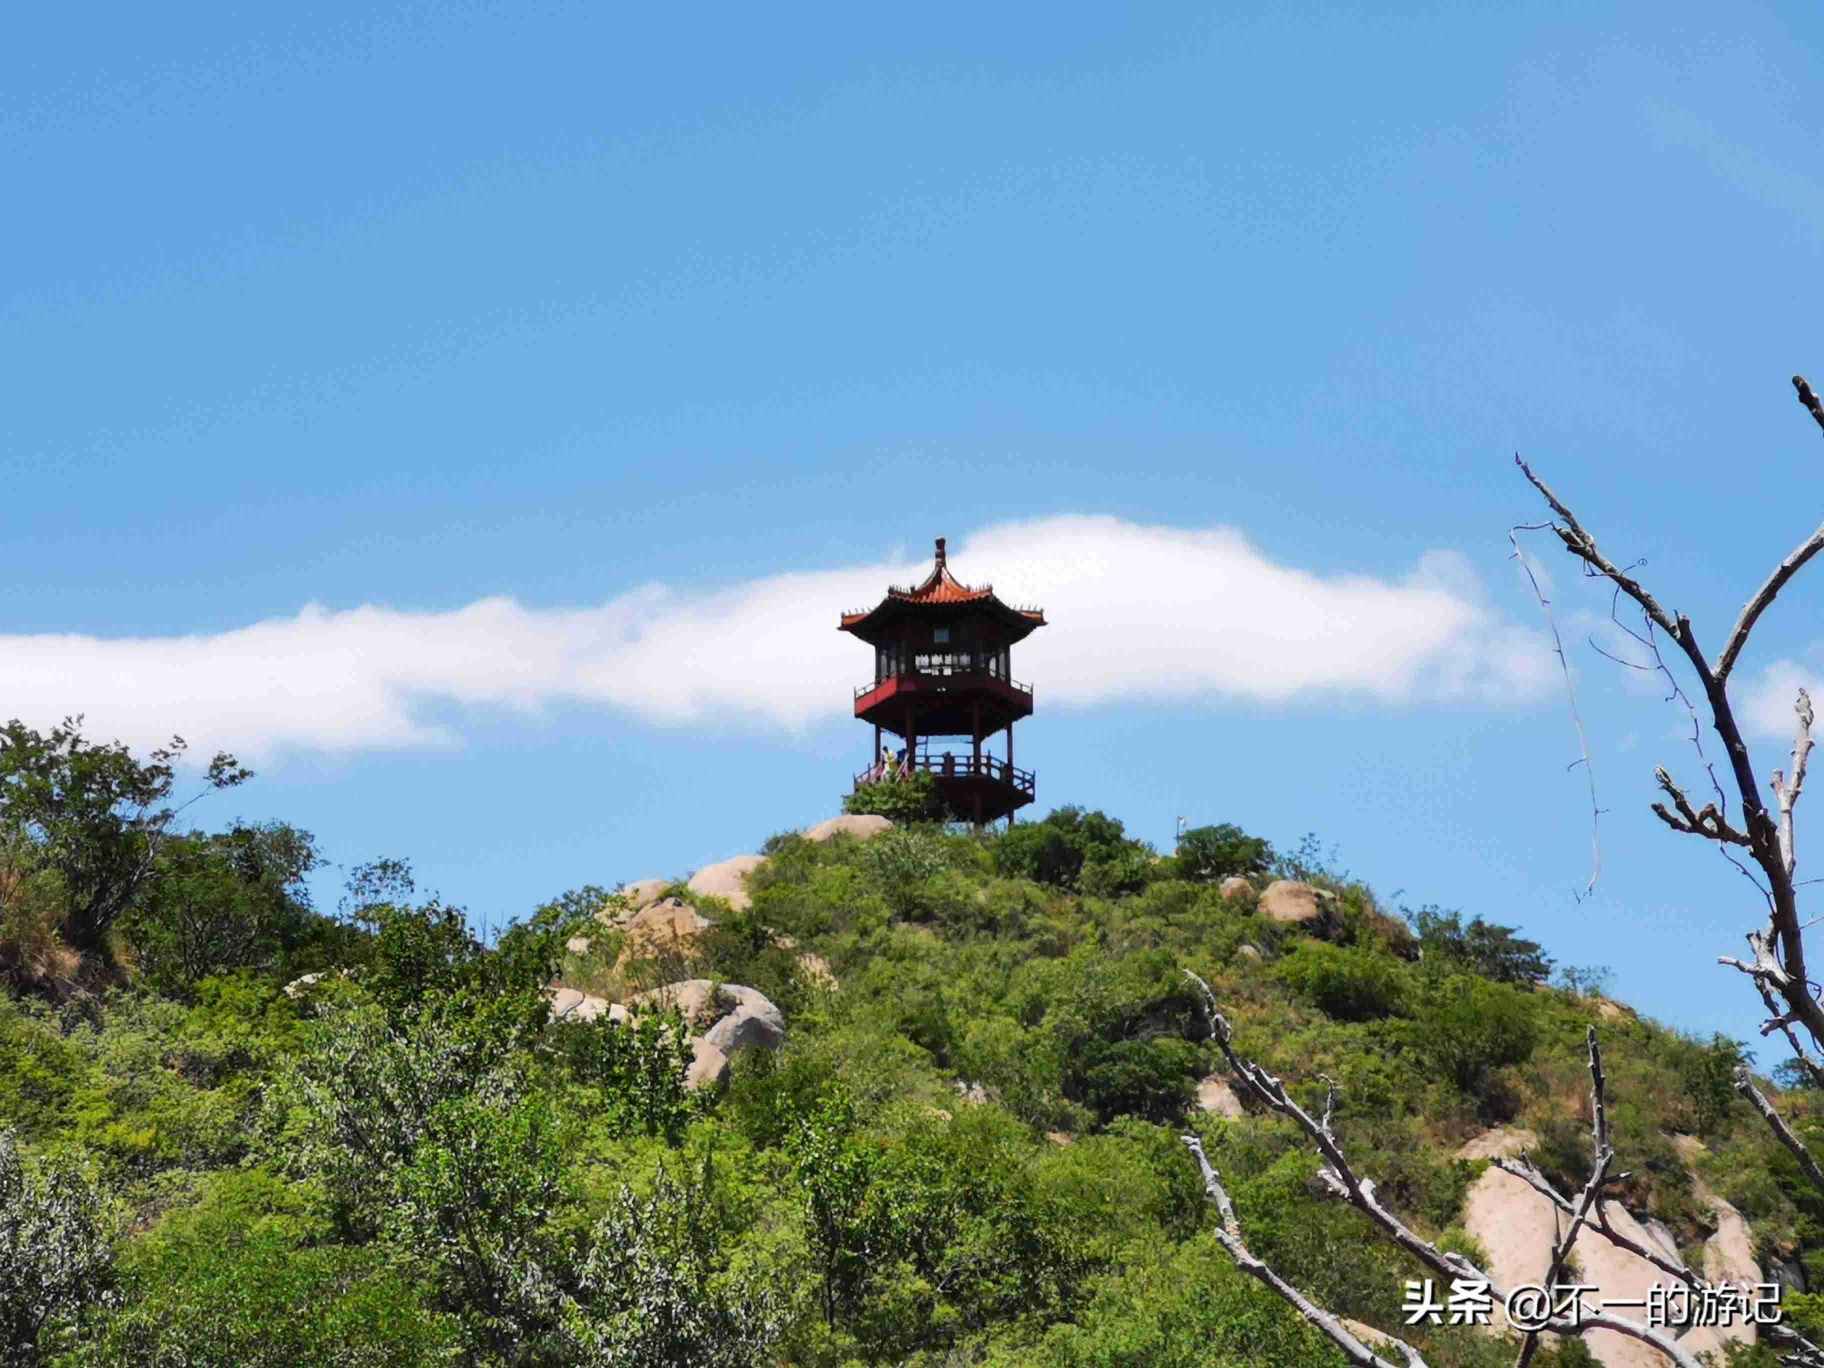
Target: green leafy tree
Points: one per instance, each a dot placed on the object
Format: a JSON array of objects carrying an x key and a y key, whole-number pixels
[
  {"x": 655, "y": 1292},
  {"x": 1073, "y": 847},
  {"x": 97, "y": 816},
  {"x": 1479, "y": 947},
  {"x": 55, "y": 1257},
  {"x": 1207, "y": 854},
  {"x": 905, "y": 801},
  {"x": 1472, "y": 1027},
  {"x": 223, "y": 902},
  {"x": 835, "y": 1170},
  {"x": 425, "y": 1131},
  {"x": 640, "y": 1067},
  {"x": 247, "y": 1277}
]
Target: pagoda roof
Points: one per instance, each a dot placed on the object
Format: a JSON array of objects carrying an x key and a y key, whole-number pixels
[{"x": 937, "y": 591}]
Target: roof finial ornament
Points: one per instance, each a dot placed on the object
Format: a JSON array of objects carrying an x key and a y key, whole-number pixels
[{"x": 940, "y": 552}]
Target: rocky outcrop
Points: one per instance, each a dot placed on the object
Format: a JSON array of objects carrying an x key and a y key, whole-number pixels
[
  {"x": 569, "y": 1004},
  {"x": 644, "y": 892},
  {"x": 301, "y": 986},
  {"x": 861, "y": 826},
  {"x": 727, "y": 880},
  {"x": 1235, "y": 887},
  {"x": 668, "y": 927},
  {"x": 725, "y": 1019},
  {"x": 1299, "y": 905},
  {"x": 1519, "y": 1228},
  {"x": 1728, "y": 1255},
  {"x": 1215, "y": 1095}
]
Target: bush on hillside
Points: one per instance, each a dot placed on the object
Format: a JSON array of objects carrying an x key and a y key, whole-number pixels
[
  {"x": 905, "y": 801},
  {"x": 1348, "y": 984},
  {"x": 1479, "y": 947},
  {"x": 224, "y": 902},
  {"x": 1209, "y": 854},
  {"x": 55, "y": 1257},
  {"x": 1072, "y": 848}
]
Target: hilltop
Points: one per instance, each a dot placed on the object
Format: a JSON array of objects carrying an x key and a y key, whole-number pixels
[{"x": 875, "y": 1093}]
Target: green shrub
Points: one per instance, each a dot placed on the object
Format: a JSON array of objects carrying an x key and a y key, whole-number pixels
[
  {"x": 243, "y": 1278},
  {"x": 1478, "y": 947},
  {"x": 55, "y": 1258},
  {"x": 1208, "y": 854},
  {"x": 910, "y": 800},
  {"x": 1472, "y": 1027},
  {"x": 1348, "y": 984}
]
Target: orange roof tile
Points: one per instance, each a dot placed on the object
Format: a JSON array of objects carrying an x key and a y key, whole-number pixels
[{"x": 941, "y": 587}]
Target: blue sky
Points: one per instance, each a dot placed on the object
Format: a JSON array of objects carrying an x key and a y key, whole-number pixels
[{"x": 547, "y": 377}]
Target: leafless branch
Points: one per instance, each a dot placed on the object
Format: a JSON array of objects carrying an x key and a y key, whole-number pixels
[
  {"x": 1342, "y": 1181},
  {"x": 1810, "y": 400},
  {"x": 1744, "y": 1084},
  {"x": 1228, "y": 1233},
  {"x": 1779, "y": 960},
  {"x": 1591, "y": 1195},
  {"x": 1786, "y": 792},
  {"x": 1524, "y": 1170},
  {"x": 1709, "y": 822}
]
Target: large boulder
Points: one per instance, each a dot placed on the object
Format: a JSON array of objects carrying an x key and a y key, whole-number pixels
[
  {"x": 644, "y": 892},
  {"x": 708, "y": 1065},
  {"x": 731, "y": 1016},
  {"x": 1215, "y": 1095},
  {"x": 1518, "y": 1227},
  {"x": 1291, "y": 903},
  {"x": 725, "y": 1018},
  {"x": 727, "y": 879},
  {"x": 862, "y": 826},
  {"x": 1235, "y": 887},
  {"x": 1728, "y": 1256},
  {"x": 671, "y": 926},
  {"x": 571, "y": 1004}
]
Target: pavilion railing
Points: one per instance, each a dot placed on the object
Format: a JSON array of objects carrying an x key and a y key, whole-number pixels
[{"x": 949, "y": 765}]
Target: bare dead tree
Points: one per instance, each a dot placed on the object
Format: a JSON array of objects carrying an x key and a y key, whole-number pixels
[
  {"x": 1765, "y": 830},
  {"x": 1341, "y": 1181}
]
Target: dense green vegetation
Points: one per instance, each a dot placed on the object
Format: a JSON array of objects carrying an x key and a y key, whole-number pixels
[{"x": 966, "y": 1152}]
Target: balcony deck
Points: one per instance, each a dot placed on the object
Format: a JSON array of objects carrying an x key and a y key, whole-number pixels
[
  {"x": 945, "y": 701},
  {"x": 994, "y": 788}
]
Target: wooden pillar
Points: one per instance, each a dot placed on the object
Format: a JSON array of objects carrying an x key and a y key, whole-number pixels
[
  {"x": 1010, "y": 767},
  {"x": 911, "y": 740},
  {"x": 874, "y": 759},
  {"x": 975, "y": 736}
]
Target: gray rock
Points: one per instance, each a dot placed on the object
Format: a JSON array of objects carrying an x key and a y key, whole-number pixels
[
  {"x": 737, "y": 1017},
  {"x": 570, "y": 1004},
  {"x": 747, "y": 1028}
]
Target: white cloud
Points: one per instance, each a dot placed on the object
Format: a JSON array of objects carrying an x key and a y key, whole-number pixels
[{"x": 1137, "y": 612}]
